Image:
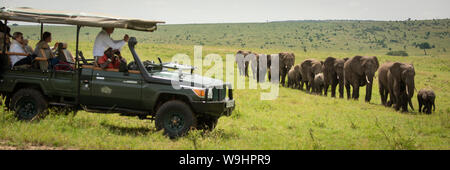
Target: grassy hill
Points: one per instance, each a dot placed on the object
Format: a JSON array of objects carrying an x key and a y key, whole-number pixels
[{"x": 295, "y": 120}]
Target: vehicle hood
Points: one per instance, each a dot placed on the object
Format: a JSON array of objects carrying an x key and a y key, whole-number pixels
[{"x": 187, "y": 78}]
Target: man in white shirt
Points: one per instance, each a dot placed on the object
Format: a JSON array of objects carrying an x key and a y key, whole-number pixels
[
  {"x": 17, "y": 47},
  {"x": 104, "y": 41}
]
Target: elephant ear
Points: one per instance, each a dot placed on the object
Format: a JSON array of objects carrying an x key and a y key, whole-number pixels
[
  {"x": 329, "y": 63},
  {"x": 281, "y": 56},
  {"x": 376, "y": 61},
  {"x": 396, "y": 70}
]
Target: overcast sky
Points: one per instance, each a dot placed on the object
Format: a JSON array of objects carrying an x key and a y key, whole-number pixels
[{"x": 226, "y": 11}]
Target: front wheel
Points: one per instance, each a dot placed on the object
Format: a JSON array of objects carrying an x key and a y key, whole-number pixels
[
  {"x": 176, "y": 118},
  {"x": 29, "y": 104}
]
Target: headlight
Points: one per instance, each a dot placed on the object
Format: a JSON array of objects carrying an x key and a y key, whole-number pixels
[{"x": 200, "y": 92}]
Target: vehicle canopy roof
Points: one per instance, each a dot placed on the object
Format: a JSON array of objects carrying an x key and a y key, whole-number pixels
[{"x": 75, "y": 18}]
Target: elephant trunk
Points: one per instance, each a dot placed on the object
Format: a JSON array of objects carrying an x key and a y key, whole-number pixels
[{"x": 369, "y": 79}]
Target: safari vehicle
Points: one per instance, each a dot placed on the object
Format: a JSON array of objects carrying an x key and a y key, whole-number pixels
[{"x": 146, "y": 92}]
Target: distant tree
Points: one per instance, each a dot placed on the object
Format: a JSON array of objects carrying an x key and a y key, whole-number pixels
[{"x": 424, "y": 46}]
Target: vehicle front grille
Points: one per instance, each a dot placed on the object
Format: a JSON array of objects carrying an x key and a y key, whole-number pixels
[{"x": 220, "y": 94}]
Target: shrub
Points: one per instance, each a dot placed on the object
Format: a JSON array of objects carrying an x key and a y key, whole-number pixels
[{"x": 397, "y": 53}]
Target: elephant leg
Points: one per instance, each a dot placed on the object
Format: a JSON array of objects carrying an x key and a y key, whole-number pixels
[
  {"x": 246, "y": 68},
  {"x": 301, "y": 85},
  {"x": 404, "y": 98},
  {"x": 420, "y": 105},
  {"x": 434, "y": 106},
  {"x": 333, "y": 88},
  {"x": 380, "y": 89},
  {"x": 356, "y": 91},
  {"x": 341, "y": 89},
  {"x": 396, "y": 96},
  {"x": 383, "y": 94},
  {"x": 283, "y": 77},
  {"x": 269, "y": 75},
  {"x": 347, "y": 87},
  {"x": 325, "y": 89}
]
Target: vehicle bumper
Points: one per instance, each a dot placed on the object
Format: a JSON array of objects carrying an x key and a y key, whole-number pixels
[{"x": 215, "y": 108}]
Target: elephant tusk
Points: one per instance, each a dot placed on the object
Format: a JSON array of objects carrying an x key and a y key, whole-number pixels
[
  {"x": 407, "y": 89},
  {"x": 367, "y": 79},
  {"x": 338, "y": 77}
]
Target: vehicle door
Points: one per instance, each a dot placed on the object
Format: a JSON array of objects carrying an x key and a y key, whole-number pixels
[{"x": 116, "y": 89}]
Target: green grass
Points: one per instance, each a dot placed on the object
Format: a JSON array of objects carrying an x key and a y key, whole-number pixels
[{"x": 295, "y": 120}]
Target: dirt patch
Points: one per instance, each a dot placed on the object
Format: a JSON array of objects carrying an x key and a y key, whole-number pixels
[{"x": 5, "y": 145}]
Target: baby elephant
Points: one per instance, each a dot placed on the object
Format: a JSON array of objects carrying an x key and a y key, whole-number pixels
[
  {"x": 426, "y": 98},
  {"x": 319, "y": 84}
]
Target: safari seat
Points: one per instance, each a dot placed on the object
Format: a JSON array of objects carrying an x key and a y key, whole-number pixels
[
  {"x": 22, "y": 67},
  {"x": 43, "y": 63}
]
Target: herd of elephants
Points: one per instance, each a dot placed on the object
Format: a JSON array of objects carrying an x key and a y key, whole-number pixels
[{"x": 395, "y": 79}]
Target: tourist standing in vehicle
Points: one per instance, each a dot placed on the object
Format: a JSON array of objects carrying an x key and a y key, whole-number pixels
[
  {"x": 17, "y": 47},
  {"x": 104, "y": 41}
]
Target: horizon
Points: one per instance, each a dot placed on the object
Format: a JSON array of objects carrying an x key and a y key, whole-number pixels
[
  {"x": 21, "y": 23},
  {"x": 250, "y": 11}
]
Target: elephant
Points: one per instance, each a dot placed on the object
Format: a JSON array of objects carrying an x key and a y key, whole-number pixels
[
  {"x": 269, "y": 64},
  {"x": 333, "y": 72},
  {"x": 258, "y": 71},
  {"x": 309, "y": 68},
  {"x": 287, "y": 60},
  {"x": 396, "y": 80},
  {"x": 360, "y": 71},
  {"x": 319, "y": 83},
  {"x": 294, "y": 77},
  {"x": 426, "y": 97},
  {"x": 242, "y": 63}
]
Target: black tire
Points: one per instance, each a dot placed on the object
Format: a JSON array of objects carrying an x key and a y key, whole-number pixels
[
  {"x": 207, "y": 123},
  {"x": 176, "y": 118},
  {"x": 29, "y": 104}
]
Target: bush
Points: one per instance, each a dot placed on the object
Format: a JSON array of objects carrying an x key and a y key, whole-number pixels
[{"x": 397, "y": 53}]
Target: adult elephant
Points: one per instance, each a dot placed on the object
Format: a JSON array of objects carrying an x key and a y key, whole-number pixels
[
  {"x": 396, "y": 80},
  {"x": 269, "y": 64},
  {"x": 359, "y": 71},
  {"x": 287, "y": 60},
  {"x": 333, "y": 72},
  {"x": 242, "y": 63},
  {"x": 309, "y": 69},
  {"x": 258, "y": 71}
]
